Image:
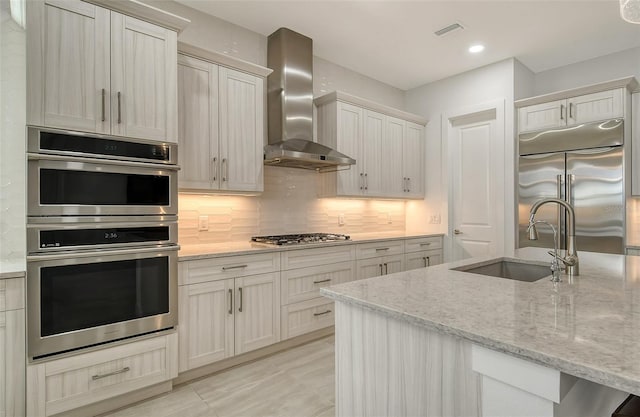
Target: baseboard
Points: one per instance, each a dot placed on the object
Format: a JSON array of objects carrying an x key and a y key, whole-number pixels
[{"x": 222, "y": 365}]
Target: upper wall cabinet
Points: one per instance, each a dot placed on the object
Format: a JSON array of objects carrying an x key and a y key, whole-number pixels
[
  {"x": 592, "y": 107},
  {"x": 221, "y": 123},
  {"x": 387, "y": 144},
  {"x": 96, "y": 70}
]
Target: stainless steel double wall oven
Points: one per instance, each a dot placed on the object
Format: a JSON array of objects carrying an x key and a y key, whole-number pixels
[{"x": 101, "y": 239}]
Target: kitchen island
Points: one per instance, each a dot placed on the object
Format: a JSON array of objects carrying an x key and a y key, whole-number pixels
[{"x": 434, "y": 341}]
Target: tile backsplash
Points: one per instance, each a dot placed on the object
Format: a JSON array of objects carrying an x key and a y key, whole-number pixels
[{"x": 288, "y": 205}]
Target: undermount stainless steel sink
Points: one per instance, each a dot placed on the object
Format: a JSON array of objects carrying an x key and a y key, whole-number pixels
[{"x": 516, "y": 269}]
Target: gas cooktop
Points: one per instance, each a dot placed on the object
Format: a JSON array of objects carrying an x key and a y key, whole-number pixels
[{"x": 299, "y": 239}]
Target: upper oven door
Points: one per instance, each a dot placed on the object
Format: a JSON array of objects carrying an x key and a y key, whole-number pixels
[{"x": 71, "y": 186}]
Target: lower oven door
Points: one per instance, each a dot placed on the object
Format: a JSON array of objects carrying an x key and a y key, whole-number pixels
[{"x": 80, "y": 299}]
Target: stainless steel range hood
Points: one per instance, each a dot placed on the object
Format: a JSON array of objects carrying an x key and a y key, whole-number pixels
[{"x": 290, "y": 106}]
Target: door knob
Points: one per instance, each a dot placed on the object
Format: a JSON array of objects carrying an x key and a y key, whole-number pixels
[{"x": 457, "y": 232}]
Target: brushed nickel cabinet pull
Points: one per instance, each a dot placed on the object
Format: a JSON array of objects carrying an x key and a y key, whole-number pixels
[
  {"x": 570, "y": 110},
  {"x": 121, "y": 371},
  {"x": 227, "y": 268},
  {"x": 408, "y": 184},
  {"x": 366, "y": 182},
  {"x": 103, "y": 104},
  {"x": 119, "y": 109},
  {"x": 426, "y": 244},
  {"x": 230, "y": 301},
  {"x": 562, "y": 112},
  {"x": 321, "y": 281},
  {"x": 386, "y": 268},
  {"x": 323, "y": 313},
  {"x": 240, "y": 306},
  {"x": 224, "y": 163},
  {"x": 361, "y": 181},
  {"x": 214, "y": 166},
  {"x": 381, "y": 249},
  {"x": 380, "y": 265}
]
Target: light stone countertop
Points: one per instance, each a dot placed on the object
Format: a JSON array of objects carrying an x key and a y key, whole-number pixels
[
  {"x": 215, "y": 250},
  {"x": 589, "y": 328},
  {"x": 12, "y": 269}
]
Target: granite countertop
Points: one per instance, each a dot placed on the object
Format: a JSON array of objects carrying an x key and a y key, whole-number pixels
[
  {"x": 213, "y": 250},
  {"x": 12, "y": 269},
  {"x": 589, "y": 328}
]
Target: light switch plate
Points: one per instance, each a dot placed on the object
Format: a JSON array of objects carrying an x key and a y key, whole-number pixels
[
  {"x": 341, "y": 219},
  {"x": 203, "y": 223}
]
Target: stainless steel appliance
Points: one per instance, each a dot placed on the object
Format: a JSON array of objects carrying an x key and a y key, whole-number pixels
[
  {"x": 296, "y": 239},
  {"x": 290, "y": 106},
  {"x": 72, "y": 174},
  {"x": 582, "y": 165},
  {"x": 101, "y": 239}
]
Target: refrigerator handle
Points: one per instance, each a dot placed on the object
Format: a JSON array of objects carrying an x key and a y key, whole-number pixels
[{"x": 559, "y": 192}]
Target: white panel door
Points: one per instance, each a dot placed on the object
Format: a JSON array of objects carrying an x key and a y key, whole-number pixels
[
  {"x": 206, "y": 323},
  {"x": 143, "y": 79},
  {"x": 350, "y": 130},
  {"x": 372, "y": 145},
  {"x": 542, "y": 116},
  {"x": 241, "y": 131},
  {"x": 393, "y": 183},
  {"x": 198, "y": 157},
  {"x": 75, "y": 67},
  {"x": 413, "y": 158},
  {"x": 473, "y": 187},
  {"x": 597, "y": 106},
  {"x": 257, "y": 311}
]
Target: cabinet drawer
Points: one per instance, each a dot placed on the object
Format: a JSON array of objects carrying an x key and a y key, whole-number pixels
[
  {"x": 422, "y": 259},
  {"x": 306, "y": 316},
  {"x": 204, "y": 270},
  {"x": 422, "y": 243},
  {"x": 371, "y": 250},
  {"x": 69, "y": 383},
  {"x": 305, "y": 283},
  {"x": 11, "y": 294},
  {"x": 318, "y": 256}
]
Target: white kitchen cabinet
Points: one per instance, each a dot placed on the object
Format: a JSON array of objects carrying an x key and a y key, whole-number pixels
[
  {"x": 228, "y": 306},
  {"x": 382, "y": 265},
  {"x": 386, "y": 143},
  {"x": 68, "y": 383},
  {"x": 221, "y": 124},
  {"x": 422, "y": 259},
  {"x": 306, "y": 316},
  {"x": 96, "y": 70},
  {"x": 12, "y": 348},
  {"x": 572, "y": 111}
]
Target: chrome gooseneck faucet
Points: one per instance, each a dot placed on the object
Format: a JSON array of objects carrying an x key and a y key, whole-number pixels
[{"x": 571, "y": 258}]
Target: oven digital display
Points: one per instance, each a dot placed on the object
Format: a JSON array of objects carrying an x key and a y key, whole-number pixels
[
  {"x": 76, "y": 297},
  {"x": 118, "y": 235}
]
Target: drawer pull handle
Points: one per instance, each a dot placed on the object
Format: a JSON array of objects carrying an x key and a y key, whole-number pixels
[
  {"x": 322, "y": 314},
  {"x": 381, "y": 249},
  {"x": 227, "y": 268},
  {"x": 121, "y": 371},
  {"x": 321, "y": 281},
  {"x": 425, "y": 244}
]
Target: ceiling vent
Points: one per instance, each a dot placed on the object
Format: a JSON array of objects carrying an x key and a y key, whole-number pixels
[{"x": 448, "y": 29}]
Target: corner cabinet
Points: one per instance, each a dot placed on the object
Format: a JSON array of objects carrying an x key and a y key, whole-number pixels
[
  {"x": 96, "y": 70},
  {"x": 387, "y": 144},
  {"x": 221, "y": 123}
]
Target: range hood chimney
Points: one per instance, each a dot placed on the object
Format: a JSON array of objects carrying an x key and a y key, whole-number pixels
[{"x": 290, "y": 106}]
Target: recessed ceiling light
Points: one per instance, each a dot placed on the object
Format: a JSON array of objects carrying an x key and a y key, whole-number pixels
[{"x": 474, "y": 49}]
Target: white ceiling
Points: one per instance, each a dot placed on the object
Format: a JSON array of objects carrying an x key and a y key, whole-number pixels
[{"x": 393, "y": 41}]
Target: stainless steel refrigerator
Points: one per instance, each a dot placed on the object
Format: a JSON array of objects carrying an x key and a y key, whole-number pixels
[{"x": 582, "y": 165}]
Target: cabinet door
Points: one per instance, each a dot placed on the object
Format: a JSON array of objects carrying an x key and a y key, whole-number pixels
[
  {"x": 241, "y": 131},
  {"x": 422, "y": 259},
  {"x": 368, "y": 268},
  {"x": 372, "y": 145},
  {"x": 206, "y": 323},
  {"x": 350, "y": 128},
  {"x": 392, "y": 180},
  {"x": 392, "y": 264},
  {"x": 257, "y": 311},
  {"x": 143, "y": 79},
  {"x": 69, "y": 67},
  {"x": 198, "y": 124},
  {"x": 597, "y": 106},
  {"x": 413, "y": 158},
  {"x": 12, "y": 363},
  {"x": 542, "y": 116}
]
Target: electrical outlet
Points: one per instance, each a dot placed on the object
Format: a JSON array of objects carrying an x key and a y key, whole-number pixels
[
  {"x": 203, "y": 223},
  {"x": 434, "y": 219},
  {"x": 341, "y": 219}
]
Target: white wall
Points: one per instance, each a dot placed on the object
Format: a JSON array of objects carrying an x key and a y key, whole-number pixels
[
  {"x": 608, "y": 67},
  {"x": 12, "y": 142},
  {"x": 486, "y": 84}
]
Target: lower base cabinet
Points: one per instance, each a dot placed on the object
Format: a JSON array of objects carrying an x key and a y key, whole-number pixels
[
  {"x": 12, "y": 347},
  {"x": 223, "y": 318},
  {"x": 422, "y": 259},
  {"x": 68, "y": 383},
  {"x": 383, "y": 265},
  {"x": 306, "y": 317}
]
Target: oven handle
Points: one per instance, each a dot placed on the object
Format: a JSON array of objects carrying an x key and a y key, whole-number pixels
[
  {"x": 105, "y": 252},
  {"x": 48, "y": 157}
]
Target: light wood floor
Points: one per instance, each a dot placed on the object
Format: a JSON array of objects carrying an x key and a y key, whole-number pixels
[{"x": 297, "y": 383}]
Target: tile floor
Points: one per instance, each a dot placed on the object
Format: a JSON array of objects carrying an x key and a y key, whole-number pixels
[{"x": 297, "y": 383}]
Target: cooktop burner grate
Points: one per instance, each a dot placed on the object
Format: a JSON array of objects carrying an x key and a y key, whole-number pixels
[{"x": 299, "y": 238}]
